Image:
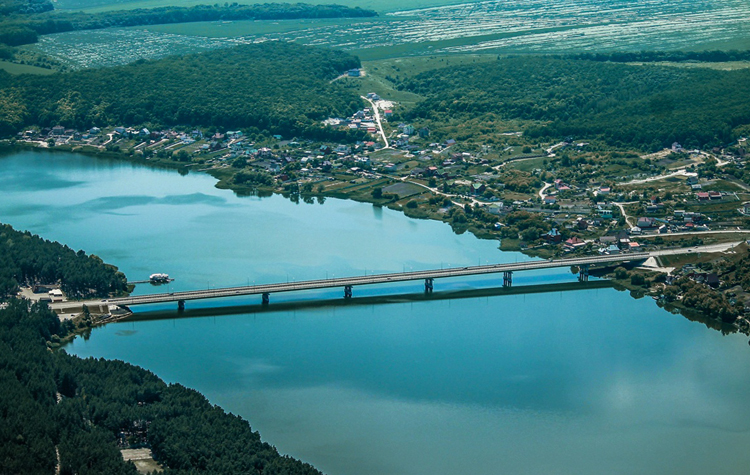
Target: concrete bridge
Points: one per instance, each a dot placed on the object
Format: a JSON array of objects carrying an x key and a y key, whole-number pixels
[{"x": 348, "y": 283}]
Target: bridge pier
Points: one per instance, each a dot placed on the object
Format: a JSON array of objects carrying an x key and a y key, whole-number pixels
[
  {"x": 180, "y": 305},
  {"x": 265, "y": 298},
  {"x": 583, "y": 273},
  {"x": 508, "y": 278},
  {"x": 347, "y": 291},
  {"x": 428, "y": 285}
]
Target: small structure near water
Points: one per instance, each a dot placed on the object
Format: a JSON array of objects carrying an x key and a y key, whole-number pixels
[{"x": 159, "y": 278}]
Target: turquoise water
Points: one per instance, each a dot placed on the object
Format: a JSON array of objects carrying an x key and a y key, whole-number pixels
[{"x": 582, "y": 382}]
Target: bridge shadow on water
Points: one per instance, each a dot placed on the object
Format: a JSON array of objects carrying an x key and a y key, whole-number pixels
[{"x": 364, "y": 301}]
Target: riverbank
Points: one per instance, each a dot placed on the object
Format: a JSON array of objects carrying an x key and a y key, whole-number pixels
[{"x": 461, "y": 219}]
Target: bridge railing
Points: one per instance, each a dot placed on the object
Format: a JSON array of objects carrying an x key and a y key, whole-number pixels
[{"x": 376, "y": 279}]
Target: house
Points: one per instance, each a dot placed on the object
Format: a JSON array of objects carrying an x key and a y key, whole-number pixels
[
  {"x": 573, "y": 243},
  {"x": 387, "y": 113},
  {"x": 692, "y": 180},
  {"x": 550, "y": 200},
  {"x": 354, "y": 73},
  {"x": 604, "y": 213},
  {"x": 560, "y": 185},
  {"x": 58, "y": 130},
  {"x": 646, "y": 223},
  {"x": 612, "y": 250},
  {"x": 702, "y": 195},
  {"x": 553, "y": 236},
  {"x": 408, "y": 130},
  {"x": 478, "y": 188},
  {"x": 604, "y": 191},
  {"x": 55, "y": 295},
  {"x": 714, "y": 195},
  {"x": 635, "y": 230},
  {"x": 676, "y": 147},
  {"x": 499, "y": 208},
  {"x": 450, "y": 142}
]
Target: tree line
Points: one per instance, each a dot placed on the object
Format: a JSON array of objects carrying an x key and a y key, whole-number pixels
[
  {"x": 647, "y": 107},
  {"x": 714, "y": 56},
  {"x": 87, "y": 409},
  {"x": 25, "y": 23},
  {"x": 275, "y": 87},
  {"x": 27, "y": 259}
]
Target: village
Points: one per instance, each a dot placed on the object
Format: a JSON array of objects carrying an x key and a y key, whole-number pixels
[
  {"x": 577, "y": 205},
  {"x": 546, "y": 199}
]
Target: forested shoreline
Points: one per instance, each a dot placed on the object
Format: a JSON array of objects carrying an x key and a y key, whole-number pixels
[
  {"x": 87, "y": 409},
  {"x": 27, "y": 259}
]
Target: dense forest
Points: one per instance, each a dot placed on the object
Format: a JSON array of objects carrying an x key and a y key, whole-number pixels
[
  {"x": 648, "y": 107},
  {"x": 28, "y": 259},
  {"x": 275, "y": 87},
  {"x": 88, "y": 409},
  {"x": 714, "y": 56},
  {"x": 24, "y": 21},
  {"x": 24, "y": 7}
]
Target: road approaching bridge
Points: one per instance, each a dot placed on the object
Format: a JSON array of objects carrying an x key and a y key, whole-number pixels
[{"x": 347, "y": 283}]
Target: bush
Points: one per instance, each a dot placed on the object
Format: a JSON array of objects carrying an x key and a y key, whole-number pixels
[{"x": 637, "y": 279}]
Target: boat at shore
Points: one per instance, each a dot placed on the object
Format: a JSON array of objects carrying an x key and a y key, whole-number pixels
[{"x": 159, "y": 278}]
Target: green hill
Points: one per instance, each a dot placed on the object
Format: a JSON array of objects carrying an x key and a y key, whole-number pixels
[
  {"x": 275, "y": 87},
  {"x": 632, "y": 105}
]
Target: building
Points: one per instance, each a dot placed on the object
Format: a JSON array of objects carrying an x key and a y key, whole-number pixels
[
  {"x": 56, "y": 295},
  {"x": 646, "y": 223}
]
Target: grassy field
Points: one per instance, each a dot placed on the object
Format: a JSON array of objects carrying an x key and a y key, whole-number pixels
[
  {"x": 14, "y": 68},
  {"x": 234, "y": 29},
  {"x": 377, "y": 5},
  {"x": 452, "y": 27},
  {"x": 379, "y": 74}
]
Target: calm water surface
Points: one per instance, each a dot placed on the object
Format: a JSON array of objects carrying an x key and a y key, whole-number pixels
[{"x": 583, "y": 382}]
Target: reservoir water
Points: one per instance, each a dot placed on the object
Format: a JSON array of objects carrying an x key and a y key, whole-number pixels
[{"x": 578, "y": 382}]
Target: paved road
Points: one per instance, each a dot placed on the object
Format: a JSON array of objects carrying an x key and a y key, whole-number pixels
[
  {"x": 375, "y": 279},
  {"x": 395, "y": 277},
  {"x": 377, "y": 119},
  {"x": 622, "y": 210},
  {"x": 697, "y": 233},
  {"x": 542, "y": 193}
]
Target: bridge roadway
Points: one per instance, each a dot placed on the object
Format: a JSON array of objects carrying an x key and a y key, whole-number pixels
[{"x": 348, "y": 282}]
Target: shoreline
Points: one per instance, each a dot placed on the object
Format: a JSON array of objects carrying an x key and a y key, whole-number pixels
[{"x": 223, "y": 182}]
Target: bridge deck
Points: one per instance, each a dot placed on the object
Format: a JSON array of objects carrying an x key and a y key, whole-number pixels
[{"x": 375, "y": 279}]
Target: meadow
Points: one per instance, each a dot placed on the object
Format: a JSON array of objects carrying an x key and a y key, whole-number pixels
[
  {"x": 15, "y": 68},
  {"x": 377, "y": 5}
]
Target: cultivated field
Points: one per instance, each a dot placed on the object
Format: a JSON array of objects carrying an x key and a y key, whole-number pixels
[{"x": 507, "y": 27}]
